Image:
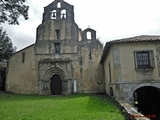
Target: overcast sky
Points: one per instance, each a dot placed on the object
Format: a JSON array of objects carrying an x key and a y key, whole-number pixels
[{"x": 112, "y": 19}]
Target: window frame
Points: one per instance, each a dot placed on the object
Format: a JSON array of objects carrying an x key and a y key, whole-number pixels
[
  {"x": 55, "y": 44},
  {"x": 57, "y": 34},
  {"x": 150, "y": 59}
]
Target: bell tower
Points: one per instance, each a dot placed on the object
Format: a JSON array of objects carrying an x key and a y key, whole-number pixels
[
  {"x": 58, "y": 10},
  {"x": 58, "y": 33},
  {"x": 58, "y": 22}
]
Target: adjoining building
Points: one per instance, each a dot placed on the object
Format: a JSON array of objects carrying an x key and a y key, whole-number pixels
[{"x": 131, "y": 64}]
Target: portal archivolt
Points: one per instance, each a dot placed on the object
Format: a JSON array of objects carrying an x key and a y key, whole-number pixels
[{"x": 54, "y": 71}]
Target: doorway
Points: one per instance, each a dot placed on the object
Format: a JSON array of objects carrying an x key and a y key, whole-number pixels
[
  {"x": 56, "y": 85},
  {"x": 2, "y": 80},
  {"x": 147, "y": 99}
]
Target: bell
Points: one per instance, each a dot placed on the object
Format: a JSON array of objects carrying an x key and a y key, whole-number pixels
[
  {"x": 54, "y": 14},
  {"x": 63, "y": 16}
]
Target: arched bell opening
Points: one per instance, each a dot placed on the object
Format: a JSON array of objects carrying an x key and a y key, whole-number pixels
[
  {"x": 59, "y": 5},
  {"x": 88, "y": 35},
  {"x": 54, "y": 14},
  {"x": 63, "y": 14}
]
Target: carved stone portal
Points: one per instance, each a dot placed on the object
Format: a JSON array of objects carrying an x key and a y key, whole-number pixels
[{"x": 47, "y": 68}]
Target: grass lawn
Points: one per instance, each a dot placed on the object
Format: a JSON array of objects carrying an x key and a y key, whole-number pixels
[{"x": 71, "y": 107}]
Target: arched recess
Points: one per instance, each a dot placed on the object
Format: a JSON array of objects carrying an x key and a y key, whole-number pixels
[
  {"x": 88, "y": 35},
  {"x": 146, "y": 99},
  {"x": 59, "y": 5},
  {"x": 53, "y": 71},
  {"x": 139, "y": 86},
  {"x": 54, "y": 14},
  {"x": 63, "y": 14}
]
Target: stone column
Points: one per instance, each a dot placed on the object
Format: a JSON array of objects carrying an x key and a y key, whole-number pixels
[{"x": 39, "y": 88}]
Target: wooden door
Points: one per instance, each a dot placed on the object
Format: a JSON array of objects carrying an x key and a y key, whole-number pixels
[{"x": 56, "y": 85}]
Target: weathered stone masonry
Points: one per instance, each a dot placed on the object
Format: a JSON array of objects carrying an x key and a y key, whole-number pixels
[{"x": 61, "y": 49}]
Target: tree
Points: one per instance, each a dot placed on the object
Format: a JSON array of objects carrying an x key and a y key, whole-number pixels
[
  {"x": 10, "y": 10},
  {"x": 6, "y": 51},
  {"x": 6, "y": 48}
]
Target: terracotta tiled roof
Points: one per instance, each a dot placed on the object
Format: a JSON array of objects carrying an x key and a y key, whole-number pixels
[
  {"x": 142, "y": 38},
  {"x": 138, "y": 39}
]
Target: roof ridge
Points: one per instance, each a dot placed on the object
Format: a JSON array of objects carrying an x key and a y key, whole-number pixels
[
  {"x": 137, "y": 38},
  {"x": 140, "y": 38}
]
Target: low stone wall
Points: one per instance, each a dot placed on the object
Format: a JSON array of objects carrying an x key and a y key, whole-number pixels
[
  {"x": 124, "y": 90},
  {"x": 130, "y": 112}
]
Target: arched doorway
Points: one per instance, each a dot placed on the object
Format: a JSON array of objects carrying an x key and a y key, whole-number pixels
[
  {"x": 147, "y": 100},
  {"x": 56, "y": 85}
]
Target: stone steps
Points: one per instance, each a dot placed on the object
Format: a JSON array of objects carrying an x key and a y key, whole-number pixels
[{"x": 130, "y": 112}]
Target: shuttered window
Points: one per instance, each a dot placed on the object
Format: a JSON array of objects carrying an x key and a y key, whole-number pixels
[{"x": 144, "y": 59}]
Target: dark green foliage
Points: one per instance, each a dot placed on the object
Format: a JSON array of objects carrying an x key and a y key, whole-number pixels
[
  {"x": 6, "y": 48},
  {"x": 10, "y": 10}
]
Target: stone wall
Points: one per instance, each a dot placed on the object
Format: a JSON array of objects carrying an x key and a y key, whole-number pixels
[
  {"x": 21, "y": 76},
  {"x": 125, "y": 90},
  {"x": 85, "y": 63},
  {"x": 91, "y": 80},
  {"x": 67, "y": 30}
]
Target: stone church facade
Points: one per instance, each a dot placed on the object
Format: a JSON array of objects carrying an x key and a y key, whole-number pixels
[
  {"x": 66, "y": 60},
  {"x": 63, "y": 60}
]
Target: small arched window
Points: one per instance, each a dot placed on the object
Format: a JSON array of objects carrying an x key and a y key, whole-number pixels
[
  {"x": 54, "y": 14},
  {"x": 88, "y": 35},
  {"x": 59, "y": 5},
  {"x": 63, "y": 14}
]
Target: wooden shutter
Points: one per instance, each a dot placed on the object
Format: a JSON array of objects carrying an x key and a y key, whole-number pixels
[
  {"x": 152, "y": 62},
  {"x": 135, "y": 60}
]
